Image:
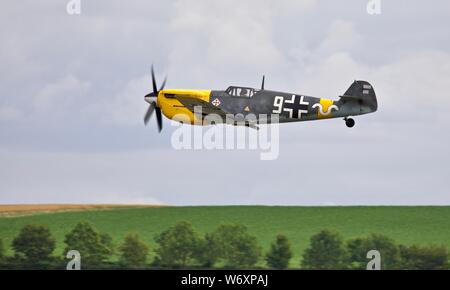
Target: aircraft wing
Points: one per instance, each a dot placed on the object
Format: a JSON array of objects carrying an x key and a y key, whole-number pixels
[
  {"x": 193, "y": 99},
  {"x": 190, "y": 102}
]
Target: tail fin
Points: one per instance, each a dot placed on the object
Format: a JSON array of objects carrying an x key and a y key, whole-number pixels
[{"x": 364, "y": 93}]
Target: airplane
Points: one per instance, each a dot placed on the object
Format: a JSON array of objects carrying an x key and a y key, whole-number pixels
[{"x": 240, "y": 102}]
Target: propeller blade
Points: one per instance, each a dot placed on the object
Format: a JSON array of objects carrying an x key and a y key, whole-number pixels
[
  {"x": 262, "y": 85},
  {"x": 163, "y": 84},
  {"x": 158, "y": 118},
  {"x": 149, "y": 113},
  {"x": 155, "y": 89}
]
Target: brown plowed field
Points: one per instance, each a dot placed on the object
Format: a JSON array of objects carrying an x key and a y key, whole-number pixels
[{"x": 20, "y": 209}]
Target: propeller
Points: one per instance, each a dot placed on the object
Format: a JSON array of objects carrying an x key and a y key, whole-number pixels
[
  {"x": 152, "y": 99},
  {"x": 262, "y": 84}
]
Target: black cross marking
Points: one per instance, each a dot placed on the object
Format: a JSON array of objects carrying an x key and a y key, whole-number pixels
[{"x": 296, "y": 106}]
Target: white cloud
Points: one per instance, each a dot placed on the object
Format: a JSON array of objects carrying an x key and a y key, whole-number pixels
[
  {"x": 58, "y": 96},
  {"x": 411, "y": 88},
  {"x": 8, "y": 113},
  {"x": 126, "y": 107},
  {"x": 232, "y": 39},
  {"x": 76, "y": 177},
  {"x": 342, "y": 36}
]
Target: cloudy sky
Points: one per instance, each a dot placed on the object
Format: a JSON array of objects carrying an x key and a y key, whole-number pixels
[{"x": 72, "y": 87}]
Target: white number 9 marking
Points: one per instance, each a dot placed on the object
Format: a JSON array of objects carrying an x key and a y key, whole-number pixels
[{"x": 278, "y": 103}]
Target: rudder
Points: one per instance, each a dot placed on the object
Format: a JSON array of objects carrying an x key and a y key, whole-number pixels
[{"x": 363, "y": 92}]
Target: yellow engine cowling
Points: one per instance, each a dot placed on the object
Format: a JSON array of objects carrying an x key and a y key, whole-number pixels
[{"x": 173, "y": 109}]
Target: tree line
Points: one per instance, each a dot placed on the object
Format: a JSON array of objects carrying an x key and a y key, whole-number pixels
[{"x": 229, "y": 246}]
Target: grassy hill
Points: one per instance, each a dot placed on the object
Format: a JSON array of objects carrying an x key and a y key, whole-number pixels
[{"x": 408, "y": 225}]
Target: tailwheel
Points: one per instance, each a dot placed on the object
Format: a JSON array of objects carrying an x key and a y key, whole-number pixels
[{"x": 349, "y": 122}]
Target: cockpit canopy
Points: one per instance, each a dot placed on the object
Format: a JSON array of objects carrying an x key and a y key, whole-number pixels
[{"x": 241, "y": 92}]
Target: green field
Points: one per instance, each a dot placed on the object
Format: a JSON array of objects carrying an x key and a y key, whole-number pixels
[{"x": 407, "y": 225}]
